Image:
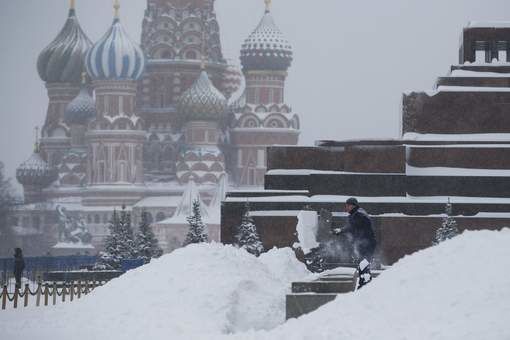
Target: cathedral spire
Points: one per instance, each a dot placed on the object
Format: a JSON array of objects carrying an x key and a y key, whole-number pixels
[
  {"x": 268, "y": 5},
  {"x": 116, "y": 7},
  {"x": 72, "y": 5}
]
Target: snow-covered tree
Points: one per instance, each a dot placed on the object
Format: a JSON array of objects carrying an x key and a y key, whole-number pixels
[
  {"x": 197, "y": 232},
  {"x": 147, "y": 245},
  {"x": 119, "y": 244},
  {"x": 448, "y": 228},
  {"x": 6, "y": 205},
  {"x": 247, "y": 236}
]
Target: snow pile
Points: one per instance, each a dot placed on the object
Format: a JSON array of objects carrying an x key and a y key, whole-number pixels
[
  {"x": 307, "y": 230},
  {"x": 198, "y": 291},
  {"x": 456, "y": 290}
]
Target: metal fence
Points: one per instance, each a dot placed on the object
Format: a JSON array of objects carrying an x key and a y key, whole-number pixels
[{"x": 35, "y": 267}]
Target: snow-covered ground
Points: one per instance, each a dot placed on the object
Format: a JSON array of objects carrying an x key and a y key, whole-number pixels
[
  {"x": 457, "y": 290},
  {"x": 198, "y": 291}
]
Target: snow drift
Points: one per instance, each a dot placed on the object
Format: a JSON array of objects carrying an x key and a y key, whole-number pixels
[
  {"x": 456, "y": 290},
  {"x": 459, "y": 289},
  {"x": 201, "y": 290}
]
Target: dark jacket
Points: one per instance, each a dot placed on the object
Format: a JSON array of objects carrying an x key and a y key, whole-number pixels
[
  {"x": 19, "y": 265},
  {"x": 360, "y": 227}
]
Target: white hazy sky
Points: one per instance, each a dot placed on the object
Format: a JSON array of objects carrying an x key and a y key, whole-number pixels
[{"x": 353, "y": 59}]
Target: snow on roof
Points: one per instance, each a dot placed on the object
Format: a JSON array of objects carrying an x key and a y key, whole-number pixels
[
  {"x": 306, "y": 172},
  {"x": 443, "y": 88},
  {"x": 340, "y": 199},
  {"x": 159, "y": 202},
  {"x": 488, "y": 24},
  {"x": 71, "y": 245},
  {"x": 275, "y": 213},
  {"x": 475, "y": 74},
  {"x": 470, "y": 137},
  {"x": 445, "y": 171}
]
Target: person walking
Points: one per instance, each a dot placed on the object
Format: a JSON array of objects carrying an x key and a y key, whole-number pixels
[
  {"x": 19, "y": 266},
  {"x": 359, "y": 228}
]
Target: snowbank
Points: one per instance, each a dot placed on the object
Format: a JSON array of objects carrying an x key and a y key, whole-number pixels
[
  {"x": 197, "y": 291},
  {"x": 457, "y": 290}
]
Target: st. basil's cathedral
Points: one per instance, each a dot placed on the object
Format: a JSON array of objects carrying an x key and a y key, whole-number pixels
[{"x": 154, "y": 126}]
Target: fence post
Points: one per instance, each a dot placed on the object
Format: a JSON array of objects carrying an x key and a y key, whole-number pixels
[
  {"x": 16, "y": 293},
  {"x": 54, "y": 293},
  {"x": 46, "y": 291},
  {"x": 86, "y": 292},
  {"x": 64, "y": 292},
  {"x": 4, "y": 297},
  {"x": 27, "y": 293},
  {"x": 38, "y": 293},
  {"x": 79, "y": 289},
  {"x": 71, "y": 297}
]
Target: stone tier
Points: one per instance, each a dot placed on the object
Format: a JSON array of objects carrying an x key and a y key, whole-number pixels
[{"x": 457, "y": 111}]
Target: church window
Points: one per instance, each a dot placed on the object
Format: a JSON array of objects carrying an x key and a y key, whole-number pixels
[
  {"x": 191, "y": 55},
  {"x": 97, "y": 219},
  {"x": 160, "y": 216}
]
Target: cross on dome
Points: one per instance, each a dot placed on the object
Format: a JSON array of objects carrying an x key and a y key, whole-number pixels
[
  {"x": 268, "y": 5},
  {"x": 116, "y": 7}
]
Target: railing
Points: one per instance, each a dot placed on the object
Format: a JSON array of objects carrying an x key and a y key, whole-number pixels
[
  {"x": 44, "y": 292},
  {"x": 36, "y": 267}
]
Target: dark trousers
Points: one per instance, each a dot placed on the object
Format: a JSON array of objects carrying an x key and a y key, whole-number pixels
[{"x": 17, "y": 276}]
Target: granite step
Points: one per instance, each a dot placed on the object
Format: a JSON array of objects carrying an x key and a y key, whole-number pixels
[
  {"x": 304, "y": 303},
  {"x": 331, "y": 286}
]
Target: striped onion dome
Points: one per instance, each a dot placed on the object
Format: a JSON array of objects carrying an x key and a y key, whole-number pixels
[
  {"x": 202, "y": 101},
  {"x": 62, "y": 61},
  {"x": 266, "y": 48},
  {"x": 81, "y": 109},
  {"x": 35, "y": 171},
  {"x": 115, "y": 56}
]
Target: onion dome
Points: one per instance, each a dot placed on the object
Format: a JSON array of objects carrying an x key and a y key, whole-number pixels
[
  {"x": 266, "y": 48},
  {"x": 202, "y": 101},
  {"x": 115, "y": 56},
  {"x": 232, "y": 80},
  {"x": 35, "y": 171},
  {"x": 62, "y": 61},
  {"x": 81, "y": 109}
]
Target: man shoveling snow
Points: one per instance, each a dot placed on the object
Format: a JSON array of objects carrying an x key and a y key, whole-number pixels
[{"x": 363, "y": 240}]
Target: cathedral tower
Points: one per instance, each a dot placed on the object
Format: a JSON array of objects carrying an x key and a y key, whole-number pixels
[
  {"x": 201, "y": 109},
  {"x": 116, "y": 136},
  {"x": 60, "y": 66},
  {"x": 176, "y": 36},
  {"x": 263, "y": 119}
]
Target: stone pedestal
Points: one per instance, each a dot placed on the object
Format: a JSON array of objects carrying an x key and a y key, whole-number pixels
[{"x": 71, "y": 249}]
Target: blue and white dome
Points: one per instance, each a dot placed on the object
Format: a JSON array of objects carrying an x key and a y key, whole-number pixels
[{"x": 115, "y": 56}]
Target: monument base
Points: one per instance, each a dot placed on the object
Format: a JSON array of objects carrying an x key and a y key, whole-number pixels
[{"x": 71, "y": 249}]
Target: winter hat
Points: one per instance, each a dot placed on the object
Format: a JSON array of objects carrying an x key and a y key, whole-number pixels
[{"x": 352, "y": 201}]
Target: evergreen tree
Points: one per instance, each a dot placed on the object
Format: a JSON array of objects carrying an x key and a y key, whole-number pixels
[
  {"x": 247, "y": 236},
  {"x": 197, "y": 232},
  {"x": 448, "y": 228},
  {"x": 146, "y": 242},
  {"x": 119, "y": 244},
  {"x": 7, "y": 202}
]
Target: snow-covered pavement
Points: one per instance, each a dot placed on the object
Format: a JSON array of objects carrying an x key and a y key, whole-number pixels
[{"x": 457, "y": 290}]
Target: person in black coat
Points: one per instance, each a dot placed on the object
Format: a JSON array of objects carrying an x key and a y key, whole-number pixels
[
  {"x": 19, "y": 266},
  {"x": 360, "y": 230}
]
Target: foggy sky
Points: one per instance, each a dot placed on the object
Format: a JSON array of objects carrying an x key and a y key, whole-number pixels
[{"x": 353, "y": 59}]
